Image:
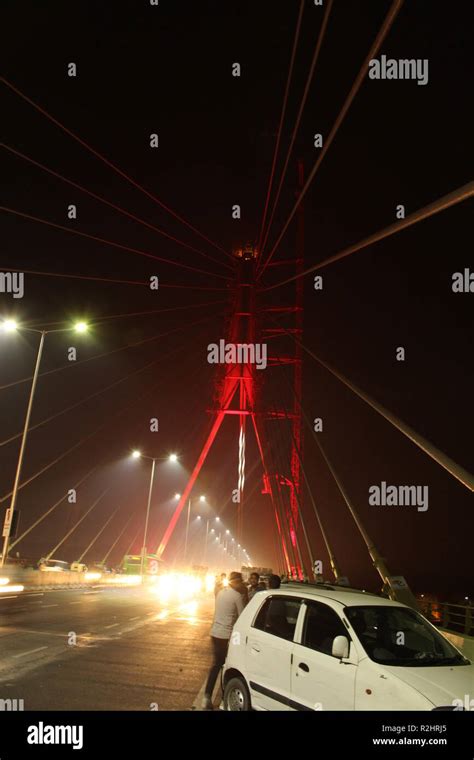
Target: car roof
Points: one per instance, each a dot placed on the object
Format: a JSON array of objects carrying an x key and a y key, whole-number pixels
[{"x": 342, "y": 594}]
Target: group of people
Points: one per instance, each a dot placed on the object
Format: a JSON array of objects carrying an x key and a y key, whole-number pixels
[{"x": 232, "y": 594}]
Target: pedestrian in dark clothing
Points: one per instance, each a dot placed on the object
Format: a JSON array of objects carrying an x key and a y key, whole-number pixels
[
  {"x": 274, "y": 581},
  {"x": 230, "y": 601},
  {"x": 255, "y": 584}
]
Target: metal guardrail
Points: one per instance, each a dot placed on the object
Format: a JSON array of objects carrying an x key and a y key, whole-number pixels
[{"x": 458, "y": 618}]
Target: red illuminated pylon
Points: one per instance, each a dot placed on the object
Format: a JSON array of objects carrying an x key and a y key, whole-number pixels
[
  {"x": 234, "y": 379},
  {"x": 237, "y": 384}
]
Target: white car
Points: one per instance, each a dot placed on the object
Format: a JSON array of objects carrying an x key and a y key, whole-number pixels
[{"x": 319, "y": 647}]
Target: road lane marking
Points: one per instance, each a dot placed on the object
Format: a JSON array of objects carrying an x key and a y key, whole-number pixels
[
  {"x": 5, "y": 631},
  {"x": 31, "y": 651},
  {"x": 111, "y": 626},
  {"x": 79, "y": 602},
  {"x": 50, "y": 605},
  {"x": 135, "y": 618}
]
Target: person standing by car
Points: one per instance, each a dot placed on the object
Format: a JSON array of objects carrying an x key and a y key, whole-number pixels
[
  {"x": 220, "y": 583},
  {"x": 274, "y": 582},
  {"x": 255, "y": 584},
  {"x": 230, "y": 601}
]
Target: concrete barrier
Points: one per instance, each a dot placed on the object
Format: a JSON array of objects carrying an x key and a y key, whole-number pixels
[
  {"x": 37, "y": 579},
  {"x": 464, "y": 643}
]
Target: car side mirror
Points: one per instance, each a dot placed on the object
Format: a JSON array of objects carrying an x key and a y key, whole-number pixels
[{"x": 340, "y": 647}]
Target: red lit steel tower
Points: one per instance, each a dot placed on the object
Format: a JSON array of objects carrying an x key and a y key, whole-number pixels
[
  {"x": 235, "y": 382},
  {"x": 240, "y": 391}
]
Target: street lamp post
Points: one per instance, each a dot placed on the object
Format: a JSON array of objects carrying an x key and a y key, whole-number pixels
[
  {"x": 205, "y": 542},
  {"x": 150, "y": 490},
  {"x": 187, "y": 531},
  {"x": 19, "y": 465},
  {"x": 10, "y": 326},
  {"x": 201, "y": 498},
  {"x": 138, "y": 455}
]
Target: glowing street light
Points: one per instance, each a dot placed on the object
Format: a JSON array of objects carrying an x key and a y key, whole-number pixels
[
  {"x": 202, "y": 498},
  {"x": 173, "y": 458},
  {"x": 81, "y": 327},
  {"x": 177, "y": 496},
  {"x": 9, "y": 325},
  {"x": 136, "y": 454}
]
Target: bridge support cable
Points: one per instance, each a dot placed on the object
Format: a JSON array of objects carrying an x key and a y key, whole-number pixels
[
  {"x": 76, "y": 525},
  {"x": 269, "y": 489},
  {"x": 373, "y": 552},
  {"x": 218, "y": 419},
  {"x": 451, "y": 199},
  {"x": 459, "y": 473},
  {"x": 82, "y": 479},
  {"x": 282, "y": 118},
  {"x": 293, "y": 542},
  {"x": 91, "y": 544},
  {"x": 390, "y": 584},
  {"x": 319, "y": 42},
  {"x": 121, "y": 210},
  {"x": 82, "y": 401},
  {"x": 237, "y": 375},
  {"x": 71, "y": 365},
  {"x": 385, "y": 28},
  {"x": 110, "y": 550},
  {"x": 112, "y": 166},
  {"x": 294, "y": 491},
  {"x": 332, "y": 557},
  {"x": 51, "y": 509},
  {"x": 112, "y": 243},
  {"x": 292, "y": 515},
  {"x": 376, "y": 45},
  {"x": 132, "y": 542},
  {"x": 85, "y": 438},
  {"x": 108, "y": 280}
]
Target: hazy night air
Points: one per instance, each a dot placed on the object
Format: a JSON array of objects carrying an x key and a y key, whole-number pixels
[{"x": 236, "y": 329}]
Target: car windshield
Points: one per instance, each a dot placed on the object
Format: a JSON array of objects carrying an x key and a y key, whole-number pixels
[{"x": 400, "y": 636}]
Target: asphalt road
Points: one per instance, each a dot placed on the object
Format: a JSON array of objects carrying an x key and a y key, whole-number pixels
[{"x": 104, "y": 649}]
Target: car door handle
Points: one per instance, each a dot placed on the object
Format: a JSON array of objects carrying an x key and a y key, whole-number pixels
[
  {"x": 255, "y": 649},
  {"x": 304, "y": 667}
]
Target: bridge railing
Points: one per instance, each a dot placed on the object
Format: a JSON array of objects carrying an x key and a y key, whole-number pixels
[{"x": 458, "y": 618}]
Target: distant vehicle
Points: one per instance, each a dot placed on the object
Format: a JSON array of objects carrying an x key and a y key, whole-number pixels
[
  {"x": 247, "y": 571},
  {"x": 78, "y": 567},
  {"x": 291, "y": 644},
  {"x": 132, "y": 564},
  {"x": 99, "y": 567},
  {"x": 53, "y": 565}
]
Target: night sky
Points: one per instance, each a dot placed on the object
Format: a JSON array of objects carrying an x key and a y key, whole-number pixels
[{"x": 168, "y": 70}]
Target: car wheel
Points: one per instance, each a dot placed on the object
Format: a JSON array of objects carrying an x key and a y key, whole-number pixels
[{"x": 236, "y": 695}]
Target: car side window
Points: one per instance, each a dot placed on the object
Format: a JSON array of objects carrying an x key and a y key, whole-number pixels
[
  {"x": 321, "y": 626},
  {"x": 278, "y": 616}
]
